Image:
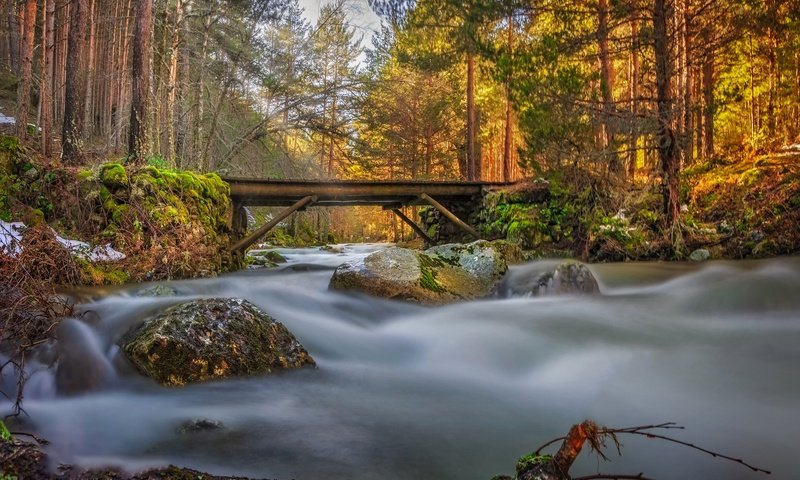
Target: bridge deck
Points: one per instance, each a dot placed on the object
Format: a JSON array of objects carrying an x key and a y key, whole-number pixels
[{"x": 254, "y": 192}]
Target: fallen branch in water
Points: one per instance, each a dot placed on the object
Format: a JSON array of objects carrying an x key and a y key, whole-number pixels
[{"x": 538, "y": 466}]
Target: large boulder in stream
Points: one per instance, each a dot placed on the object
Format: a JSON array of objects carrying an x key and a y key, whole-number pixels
[
  {"x": 212, "y": 338},
  {"x": 440, "y": 275},
  {"x": 550, "y": 277}
]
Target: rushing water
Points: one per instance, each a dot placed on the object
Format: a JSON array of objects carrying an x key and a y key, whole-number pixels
[{"x": 458, "y": 392}]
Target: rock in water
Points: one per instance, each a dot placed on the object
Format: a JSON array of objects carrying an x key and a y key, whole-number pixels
[
  {"x": 481, "y": 259},
  {"x": 438, "y": 276},
  {"x": 212, "y": 338},
  {"x": 548, "y": 278},
  {"x": 699, "y": 255}
]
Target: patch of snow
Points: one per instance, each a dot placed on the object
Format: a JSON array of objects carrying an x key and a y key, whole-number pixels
[
  {"x": 11, "y": 236},
  {"x": 7, "y": 120}
]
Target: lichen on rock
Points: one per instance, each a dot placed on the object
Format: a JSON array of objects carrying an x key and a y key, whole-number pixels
[
  {"x": 212, "y": 339},
  {"x": 437, "y": 276}
]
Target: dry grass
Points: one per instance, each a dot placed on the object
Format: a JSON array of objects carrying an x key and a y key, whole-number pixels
[{"x": 30, "y": 305}]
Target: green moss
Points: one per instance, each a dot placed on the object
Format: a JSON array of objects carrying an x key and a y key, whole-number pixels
[
  {"x": 85, "y": 175},
  {"x": 427, "y": 278},
  {"x": 113, "y": 175},
  {"x": 526, "y": 462}
]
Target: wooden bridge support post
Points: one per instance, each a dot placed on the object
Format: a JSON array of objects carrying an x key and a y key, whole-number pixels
[
  {"x": 450, "y": 216},
  {"x": 428, "y": 240},
  {"x": 242, "y": 244}
]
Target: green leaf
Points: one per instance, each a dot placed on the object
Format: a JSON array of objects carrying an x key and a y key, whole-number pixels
[{"x": 5, "y": 435}]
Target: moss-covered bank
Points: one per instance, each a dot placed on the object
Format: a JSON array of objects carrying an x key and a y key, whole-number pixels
[
  {"x": 170, "y": 224},
  {"x": 745, "y": 208}
]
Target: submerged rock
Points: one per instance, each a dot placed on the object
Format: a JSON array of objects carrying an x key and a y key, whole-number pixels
[
  {"x": 440, "y": 275},
  {"x": 157, "y": 290},
  {"x": 550, "y": 278},
  {"x": 198, "y": 426},
  {"x": 210, "y": 339}
]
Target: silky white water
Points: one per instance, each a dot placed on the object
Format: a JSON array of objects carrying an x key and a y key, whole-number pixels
[{"x": 456, "y": 392}]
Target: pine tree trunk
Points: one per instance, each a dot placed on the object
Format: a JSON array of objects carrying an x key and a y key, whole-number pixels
[
  {"x": 686, "y": 74},
  {"x": 606, "y": 89},
  {"x": 708, "y": 99},
  {"x": 75, "y": 84},
  {"x": 509, "y": 130},
  {"x": 88, "y": 119},
  {"x": 470, "y": 173},
  {"x": 670, "y": 165},
  {"x": 140, "y": 92},
  {"x": 46, "y": 90},
  {"x": 28, "y": 26},
  {"x": 633, "y": 141},
  {"x": 173, "y": 80}
]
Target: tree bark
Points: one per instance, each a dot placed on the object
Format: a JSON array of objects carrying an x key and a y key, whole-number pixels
[
  {"x": 633, "y": 141},
  {"x": 28, "y": 27},
  {"x": 686, "y": 75},
  {"x": 142, "y": 38},
  {"x": 471, "y": 174},
  {"x": 75, "y": 84},
  {"x": 88, "y": 119},
  {"x": 173, "y": 80},
  {"x": 508, "y": 139},
  {"x": 670, "y": 165},
  {"x": 708, "y": 98},
  {"x": 46, "y": 90},
  {"x": 606, "y": 89}
]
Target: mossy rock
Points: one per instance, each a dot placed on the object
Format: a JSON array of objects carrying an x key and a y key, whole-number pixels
[
  {"x": 10, "y": 154},
  {"x": 113, "y": 176},
  {"x": 211, "y": 339},
  {"x": 481, "y": 259},
  {"x": 265, "y": 258},
  {"x": 404, "y": 274}
]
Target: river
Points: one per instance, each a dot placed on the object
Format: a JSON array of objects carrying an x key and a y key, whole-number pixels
[{"x": 459, "y": 392}]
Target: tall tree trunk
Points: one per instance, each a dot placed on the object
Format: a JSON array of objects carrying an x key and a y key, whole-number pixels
[
  {"x": 173, "y": 80},
  {"x": 670, "y": 165},
  {"x": 606, "y": 89},
  {"x": 470, "y": 174},
  {"x": 75, "y": 84},
  {"x": 28, "y": 26},
  {"x": 46, "y": 90},
  {"x": 686, "y": 80},
  {"x": 142, "y": 37},
  {"x": 633, "y": 141},
  {"x": 708, "y": 98},
  {"x": 509, "y": 131},
  {"x": 14, "y": 39},
  {"x": 88, "y": 119}
]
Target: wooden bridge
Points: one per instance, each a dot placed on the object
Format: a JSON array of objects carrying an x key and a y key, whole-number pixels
[{"x": 297, "y": 195}]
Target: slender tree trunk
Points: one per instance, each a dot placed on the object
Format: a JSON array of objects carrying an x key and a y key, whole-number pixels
[
  {"x": 88, "y": 120},
  {"x": 509, "y": 131},
  {"x": 140, "y": 92},
  {"x": 173, "y": 80},
  {"x": 670, "y": 165},
  {"x": 606, "y": 89},
  {"x": 633, "y": 142},
  {"x": 14, "y": 39},
  {"x": 209, "y": 162},
  {"x": 26, "y": 77},
  {"x": 708, "y": 99},
  {"x": 471, "y": 173},
  {"x": 46, "y": 90},
  {"x": 686, "y": 74},
  {"x": 75, "y": 84}
]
